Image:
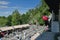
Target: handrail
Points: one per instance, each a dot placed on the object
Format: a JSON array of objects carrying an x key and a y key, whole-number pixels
[{"x": 14, "y": 27}]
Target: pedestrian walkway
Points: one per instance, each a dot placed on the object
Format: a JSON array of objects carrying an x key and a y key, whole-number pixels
[{"x": 46, "y": 36}]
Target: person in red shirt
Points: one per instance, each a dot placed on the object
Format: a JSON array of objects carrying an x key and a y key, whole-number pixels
[{"x": 45, "y": 19}]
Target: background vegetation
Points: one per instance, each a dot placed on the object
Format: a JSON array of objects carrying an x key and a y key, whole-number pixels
[{"x": 31, "y": 16}]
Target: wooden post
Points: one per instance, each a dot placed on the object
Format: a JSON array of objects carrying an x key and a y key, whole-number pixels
[{"x": 52, "y": 19}]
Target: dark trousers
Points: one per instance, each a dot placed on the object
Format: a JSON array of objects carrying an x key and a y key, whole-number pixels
[
  {"x": 49, "y": 25},
  {"x": 46, "y": 23}
]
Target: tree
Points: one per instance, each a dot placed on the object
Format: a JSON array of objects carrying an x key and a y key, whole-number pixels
[
  {"x": 15, "y": 18},
  {"x": 9, "y": 18},
  {"x": 25, "y": 18}
]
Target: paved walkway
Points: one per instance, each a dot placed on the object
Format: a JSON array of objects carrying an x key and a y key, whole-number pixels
[{"x": 46, "y": 36}]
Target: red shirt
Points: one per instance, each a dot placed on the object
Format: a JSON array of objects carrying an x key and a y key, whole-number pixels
[{"x": 45, "y": 18}]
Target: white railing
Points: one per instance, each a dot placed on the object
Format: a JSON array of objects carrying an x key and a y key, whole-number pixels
[{"x": 14, "y": 27}]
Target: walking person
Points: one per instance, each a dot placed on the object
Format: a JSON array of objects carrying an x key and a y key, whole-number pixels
[{"x": 45, "y": 19}]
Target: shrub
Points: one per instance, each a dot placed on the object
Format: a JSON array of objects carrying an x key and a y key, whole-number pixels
[{"x": 41, "y": 22}]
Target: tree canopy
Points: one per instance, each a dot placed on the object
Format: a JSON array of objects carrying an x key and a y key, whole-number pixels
[{"x": 15, "y": 18}]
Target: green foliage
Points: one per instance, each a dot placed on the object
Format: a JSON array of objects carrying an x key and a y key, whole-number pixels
[
  {"x": 15, "y": 18},
  {"x": 3, "y": 21},
  {"x": 41, "y": 22},
  {"x": 9, "y": 20},
  {"x": 25, "y": 18}
]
